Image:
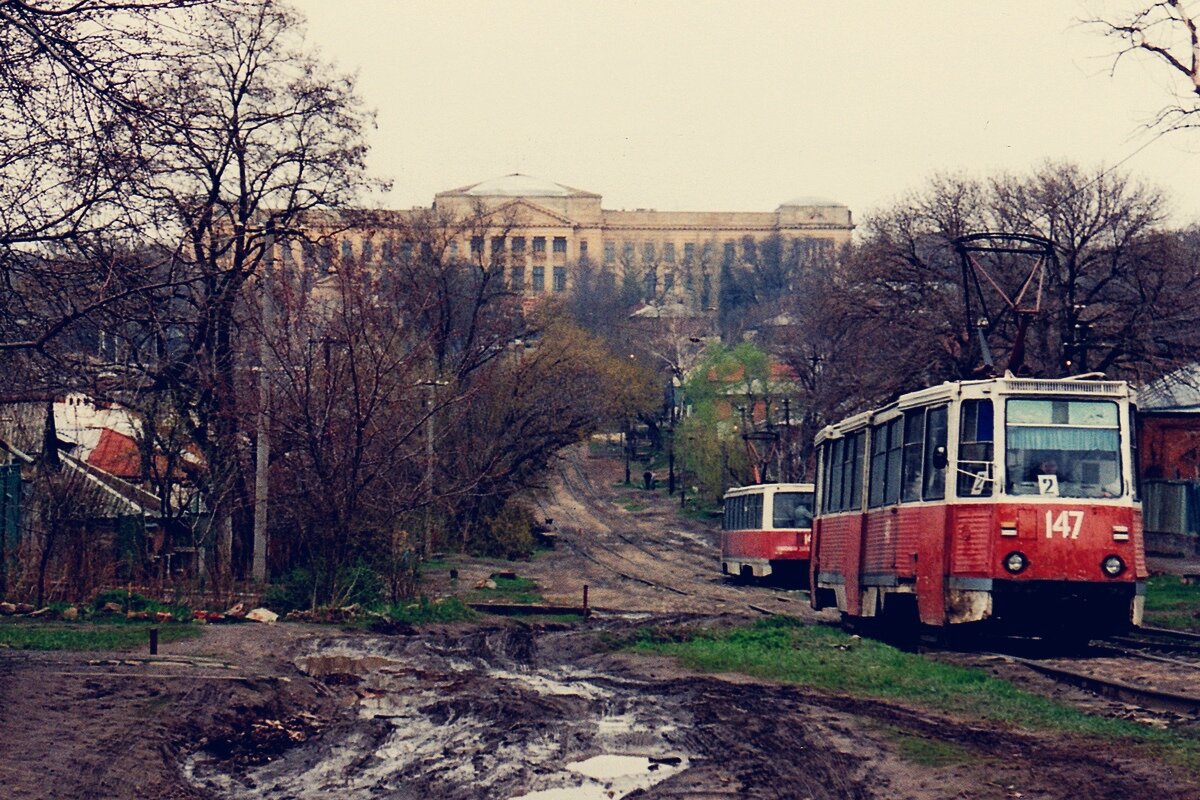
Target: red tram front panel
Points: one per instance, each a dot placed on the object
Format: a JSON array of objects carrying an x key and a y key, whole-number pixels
[
  {"x": 767, "y": 531},
  {"x": 947, "y": 553},
  {"x": 761, "y": 545}
]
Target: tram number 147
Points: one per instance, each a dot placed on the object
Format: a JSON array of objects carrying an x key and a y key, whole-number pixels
[{"x": 1066, "y": 524}]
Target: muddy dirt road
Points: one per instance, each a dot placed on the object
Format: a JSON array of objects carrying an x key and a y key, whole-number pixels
[
  {"x": 634, "y": 551},
  {"x": 511, "y": 709}
]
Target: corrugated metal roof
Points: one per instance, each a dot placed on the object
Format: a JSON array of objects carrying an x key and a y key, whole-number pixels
[{"x": 1176, "y": 391}]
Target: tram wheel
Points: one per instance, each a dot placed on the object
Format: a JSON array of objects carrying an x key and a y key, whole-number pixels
[{"x": 899, "y": 622}]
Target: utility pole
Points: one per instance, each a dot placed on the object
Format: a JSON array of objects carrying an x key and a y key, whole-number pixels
[
  {"x": 430, "y": 408},
  {"x": 671, "y": 445},
  {"x": 262, "y": 447},
  {"x": 628, "y": 446},
  {"x": 787, "y": 447}
]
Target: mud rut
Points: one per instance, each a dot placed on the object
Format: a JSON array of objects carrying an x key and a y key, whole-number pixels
[{"x": 521, "y": 710}]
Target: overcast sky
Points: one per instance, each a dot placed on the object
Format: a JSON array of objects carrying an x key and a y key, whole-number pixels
[{"x": 739, "y": 106}]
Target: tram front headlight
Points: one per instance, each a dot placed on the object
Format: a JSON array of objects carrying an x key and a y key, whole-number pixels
[
  {"x": 1112, "y": 566},
  {"x": 1016, "y": 562}
]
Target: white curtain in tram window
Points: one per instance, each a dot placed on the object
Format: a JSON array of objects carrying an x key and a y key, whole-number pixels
[{"x": 1062, "y": 439}]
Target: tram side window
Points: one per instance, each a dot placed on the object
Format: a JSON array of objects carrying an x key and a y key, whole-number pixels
[
  {"x": 879, "y": 449},
  {"x": 975, "y": 457},
  {"x": 934, "y": 478},
  {"x": 848, "y": 469},
  {"x": 834, "y": 488},
  {"x": 914, "y": 434},
  {"x": 1134, "y": 468},
  {"x": 820, "y": 502},
  {"x": 895, "y": 448},
  {"x": 852, "y": 483},
  {"x": 754, "y": 511},
  {"x": 886, "y": 447},
  {"x": 848, "y": 466}
]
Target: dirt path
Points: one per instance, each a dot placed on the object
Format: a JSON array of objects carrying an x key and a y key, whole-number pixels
[
  {"x": 649, "y": 559},
  {"x": 516, "y": 710}
]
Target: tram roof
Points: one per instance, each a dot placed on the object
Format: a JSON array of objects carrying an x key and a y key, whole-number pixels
[
  {"x": 754, "y": 488},
  {"x": 1082, "y": 386}
]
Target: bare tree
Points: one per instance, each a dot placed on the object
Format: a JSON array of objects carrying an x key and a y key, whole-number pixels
[
  {"x": 522, "y": 409},
  {"x": 348, "y": 425},
  {"x": 1166, "y": 32},
  {"x": 891, "y": 319},
  {"x": 251, "y": 134},
  {"x": 74, "y": 120}
]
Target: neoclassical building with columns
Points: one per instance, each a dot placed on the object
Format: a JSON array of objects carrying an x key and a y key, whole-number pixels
[{"x": 544, "y": 233}]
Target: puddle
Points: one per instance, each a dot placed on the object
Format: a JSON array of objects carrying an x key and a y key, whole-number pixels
[
  {"x": 325, "y": 665},
  {"x": 609, "y": 776},
  {"x": 426, "y": 717},
  {"x": 630, "y": 616},
  {"x": 575, "y": 686}
]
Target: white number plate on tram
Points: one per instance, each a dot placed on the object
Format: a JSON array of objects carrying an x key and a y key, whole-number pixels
[{"x": 1066, "y": 524}]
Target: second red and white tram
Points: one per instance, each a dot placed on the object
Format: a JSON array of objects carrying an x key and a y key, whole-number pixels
[
  {"x": 767, "y": 531},
  {"x": 1011, "y": 500}
]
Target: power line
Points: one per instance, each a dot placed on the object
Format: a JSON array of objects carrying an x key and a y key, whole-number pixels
[{"x": 1102, "y": 174}]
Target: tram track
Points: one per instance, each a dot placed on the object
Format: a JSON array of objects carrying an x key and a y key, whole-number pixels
[
  {"x": 671, "y": 546},
  {"x": 1120, "y": 674},
  {"x": 1149, "y": 697},
  {"x": 1124, "y": 670},
  {"x": 672, "y": 562}
]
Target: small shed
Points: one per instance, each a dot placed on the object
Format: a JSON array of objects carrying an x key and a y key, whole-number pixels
[{"x": 1169, "y": 460}]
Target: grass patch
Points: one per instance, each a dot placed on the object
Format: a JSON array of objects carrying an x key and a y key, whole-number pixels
[
  {"x": 534, "y": 616},
  {"x": 132, "y": 601},
  {"x": 87, "y": 636},
  {"x": 436, "y": 565},
  {"x": 424, "y": 611},
  {"x": 790, "y": 651},
  {"x": 1171, "y": 603},
  {"x": 509, "y": 590},
  {"x": 700, "y": 513},
  {"x": 925, "y": 752},
  {"x": 602, "y": 449},
  {"x": 633, "y": 506}
]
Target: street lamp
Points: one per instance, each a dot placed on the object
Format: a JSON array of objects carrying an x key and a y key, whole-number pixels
[{"x": 431, "y": 404}]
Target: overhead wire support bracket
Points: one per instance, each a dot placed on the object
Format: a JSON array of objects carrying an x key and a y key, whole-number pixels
[{"x": 1010, "y": 266}]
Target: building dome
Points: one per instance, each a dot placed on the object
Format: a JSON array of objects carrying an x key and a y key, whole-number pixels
[
  {"x": 517, "y": 185},
  {"x": 809, "y": 201}
]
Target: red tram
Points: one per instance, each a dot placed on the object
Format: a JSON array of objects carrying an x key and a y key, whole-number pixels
[
  {"x": 767, "y": 530},
  {"x": 1010, "y": 500}
]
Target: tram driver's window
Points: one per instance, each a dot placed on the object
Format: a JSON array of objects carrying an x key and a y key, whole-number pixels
[
  {"x": 1063, "y": 447},
  {"x": 975, "y": 436}
]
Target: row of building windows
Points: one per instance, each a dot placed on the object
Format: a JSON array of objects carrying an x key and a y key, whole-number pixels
[
  {"x": 517, "y": 244},
  {"x": 537, "y": 279},
  {"x": 803, "y": 250},
  {"x": 321, "y": 253}
]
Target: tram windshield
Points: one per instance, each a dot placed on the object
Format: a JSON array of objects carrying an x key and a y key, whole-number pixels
[
  {"x": 1063, "y": 448},
  {"x": 793, "y": 510}
]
